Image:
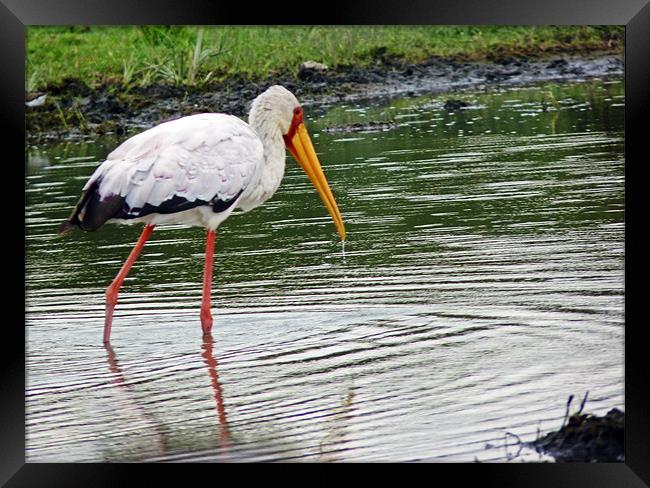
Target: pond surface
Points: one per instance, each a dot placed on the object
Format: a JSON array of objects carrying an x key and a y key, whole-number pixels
[{"x": 480, "y": 286}]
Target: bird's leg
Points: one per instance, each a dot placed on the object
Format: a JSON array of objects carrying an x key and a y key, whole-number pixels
[
  {"x": 206, "y": 314},
  {"x": 114, "y": 287}
]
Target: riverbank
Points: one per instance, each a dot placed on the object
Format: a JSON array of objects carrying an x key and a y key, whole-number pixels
[
  {"x": 86, "y": 81},
  {"x": 73, "y": 109}
]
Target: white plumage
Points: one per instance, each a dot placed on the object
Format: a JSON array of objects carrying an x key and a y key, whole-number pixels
[{"x": 201, "y": 157}]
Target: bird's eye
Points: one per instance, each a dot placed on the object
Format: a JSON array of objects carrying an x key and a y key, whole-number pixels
[{"x": 297, "y": 111}]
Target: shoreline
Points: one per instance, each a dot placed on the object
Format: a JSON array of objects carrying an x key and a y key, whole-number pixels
[{"x": 73, "y": 111}]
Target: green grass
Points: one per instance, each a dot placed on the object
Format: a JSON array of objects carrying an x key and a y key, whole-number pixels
[{"x": 194, "y": 55}]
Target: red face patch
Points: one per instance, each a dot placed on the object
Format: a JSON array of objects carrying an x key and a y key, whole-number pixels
[{"x": 295, "y": 122}]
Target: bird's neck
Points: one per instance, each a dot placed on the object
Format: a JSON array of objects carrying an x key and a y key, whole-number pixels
[
  {"x": 272, "y": 171},
  {"x": 271, "y": 138}
]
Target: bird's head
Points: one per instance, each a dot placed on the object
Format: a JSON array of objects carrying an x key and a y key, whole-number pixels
[{"x": 289, "y": 114}]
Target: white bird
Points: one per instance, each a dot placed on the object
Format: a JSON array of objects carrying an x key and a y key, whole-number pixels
[{"x": 196, "y": 170}]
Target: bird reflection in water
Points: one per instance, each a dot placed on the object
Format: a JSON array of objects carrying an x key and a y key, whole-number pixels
[
  {"x": 210, "y": 362},
  {"x": 121, "y": 382},
  {"x": 334, "y": 441}
]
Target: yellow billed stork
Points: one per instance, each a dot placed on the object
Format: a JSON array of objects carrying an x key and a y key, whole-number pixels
[{"x": 196, "y": 170}]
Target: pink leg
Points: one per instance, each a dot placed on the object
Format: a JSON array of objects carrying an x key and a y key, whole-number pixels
[
  {"x": 114, "y": 287},
  {"x": 206, "y": 314}
]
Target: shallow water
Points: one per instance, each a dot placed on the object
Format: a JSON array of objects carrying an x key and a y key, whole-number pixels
[{"x": 481, "y": 285}]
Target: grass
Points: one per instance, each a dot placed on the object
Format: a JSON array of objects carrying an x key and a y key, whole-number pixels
[{"x": 196, "y": 55}]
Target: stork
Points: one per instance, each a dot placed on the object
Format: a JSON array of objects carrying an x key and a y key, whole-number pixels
[{"x": 196, "y": 170}]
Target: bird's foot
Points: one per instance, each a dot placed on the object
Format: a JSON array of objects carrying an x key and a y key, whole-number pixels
[
  {"x": 108, "y": 321},
  {"x": 111, "y": 301},
  {"x": 206, "y": 322}
]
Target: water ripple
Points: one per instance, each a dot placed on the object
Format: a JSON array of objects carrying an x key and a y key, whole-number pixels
[{"x": 481, "y": 285}]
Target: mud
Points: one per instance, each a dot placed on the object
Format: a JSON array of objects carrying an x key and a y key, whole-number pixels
[
  {"x": 72, "y": 110},
  {"x": 587, "y": 438}
]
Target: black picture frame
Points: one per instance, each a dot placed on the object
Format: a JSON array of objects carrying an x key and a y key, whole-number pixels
[{"x": 15, "y": 15}]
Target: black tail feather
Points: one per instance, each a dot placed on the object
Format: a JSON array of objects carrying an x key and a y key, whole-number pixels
[
  {"x": 73, "y": 221},
  {"x": 91, "y": 212},
  {"x": 66, "y": 227}
]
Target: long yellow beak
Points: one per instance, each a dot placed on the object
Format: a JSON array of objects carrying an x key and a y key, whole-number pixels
[{"x": 302, "y": 149}]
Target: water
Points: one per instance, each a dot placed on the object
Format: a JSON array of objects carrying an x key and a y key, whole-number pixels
[{"x": 481, "y": 285}]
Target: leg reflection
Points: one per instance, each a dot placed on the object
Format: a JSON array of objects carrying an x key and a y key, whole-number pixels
[
  {"x": 335, "y": 440},
  {"x": 211, "y": 362},
  {"x": 119, "y": 380}
]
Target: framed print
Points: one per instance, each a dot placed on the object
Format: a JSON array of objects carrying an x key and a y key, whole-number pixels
[{"x": 385, "y": 234}]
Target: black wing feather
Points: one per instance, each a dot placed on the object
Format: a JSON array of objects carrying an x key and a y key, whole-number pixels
[{"x": 91, "y": 212}]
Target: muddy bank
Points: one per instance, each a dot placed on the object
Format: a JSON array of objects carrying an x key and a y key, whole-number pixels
[
  {"x": 582, "y": 437},
  {"x": 587, "y": 438},
  {"x": 72, "y": 110}
]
